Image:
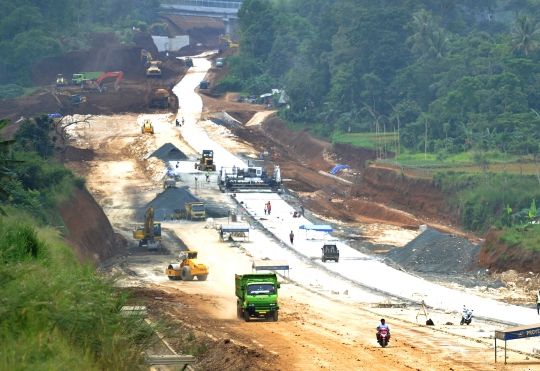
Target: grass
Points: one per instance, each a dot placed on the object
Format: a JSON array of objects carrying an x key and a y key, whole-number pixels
[
  {"x": 57, "y": 314},
  {"x": 528, "y": 240},
  {"x": 368, "y": 140},
  {"x": 29, "y": 91}
]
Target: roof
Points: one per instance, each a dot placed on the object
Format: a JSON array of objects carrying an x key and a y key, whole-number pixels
[
  {"x": 519, "y": 332},
  {"x": 270, "y": 265},
  {"x": 317, "y": 227},
  {"x": 240, "y": 227}
]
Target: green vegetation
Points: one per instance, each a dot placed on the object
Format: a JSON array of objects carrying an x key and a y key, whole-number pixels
[
  {"x": 31, "y": 30},
  {"x": 57, "y": 314}
]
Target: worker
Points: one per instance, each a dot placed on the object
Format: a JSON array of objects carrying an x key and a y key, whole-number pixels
[
  {"x": 164, "y": 217},
  {"x": 172, "y": 216},
  {"x": 177, "y": 122},
  {"x": 234, "y": 170},
  {"x": 265, "y": 208},
  {"x": 291, "y": 237},
  {"x": 207, "y": 174},
  {"x": 221, "y": 234},
  {"x": 269, "y": 207},
  {"x": 182, "y": 121},
  {"x": 302, "y": 208}
]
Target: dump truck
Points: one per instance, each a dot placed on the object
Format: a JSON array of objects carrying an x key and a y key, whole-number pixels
[
  {"x": 60, "y": 80},
  {"x": 195, "y": 211},
  {"x": 150, "y": 233},
  {"x": 219, "y": 62},
  {"x": 154, "y": 70},
  {"x": 169, "y": 183},
  {"x": 188, "y": 61},
  {"x": 78, "y": 77},
  {"x": 206, "y": 161},
  {"x": 160, "y": 98},
  {"x": 204, "y": 84},
  {"x": 257, "y": 295},
  {"x": 330, "y": 252},
  {"x": 187, "y": 268},
  {"x": 147, "y": 127}
]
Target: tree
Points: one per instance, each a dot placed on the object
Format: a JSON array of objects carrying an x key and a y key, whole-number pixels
[
  {"x": 60, "y": 127},
  {"x": 526, "y": 36},
  {"x": 6, "y": 163},
  {"x": 423, "y": 26}
]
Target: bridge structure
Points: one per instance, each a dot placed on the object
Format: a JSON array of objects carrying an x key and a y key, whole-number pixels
[{"x": 227, "y": 10}]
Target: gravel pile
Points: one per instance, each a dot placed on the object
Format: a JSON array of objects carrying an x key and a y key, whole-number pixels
[
  {"x": 434, "y": 252},
  {"x": 169, "y": 152},
  {"x": 170, "y": 201}
]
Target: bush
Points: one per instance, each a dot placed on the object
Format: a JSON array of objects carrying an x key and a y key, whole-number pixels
[
  {"x": 10, "y": 91},
  {"x": 229, "y": 83}
]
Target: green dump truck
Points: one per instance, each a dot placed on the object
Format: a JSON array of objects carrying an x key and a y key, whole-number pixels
[
  {"x": 78, "y": 77},
  {"x": 257, "y": 296}
]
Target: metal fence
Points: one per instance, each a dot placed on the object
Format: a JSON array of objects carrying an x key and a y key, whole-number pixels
[{"x": 206, "y": 3}]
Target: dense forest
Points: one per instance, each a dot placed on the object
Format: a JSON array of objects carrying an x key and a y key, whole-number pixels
[
  {"x": 446, "y": 75},
  {"x": 31, "y": 30}
]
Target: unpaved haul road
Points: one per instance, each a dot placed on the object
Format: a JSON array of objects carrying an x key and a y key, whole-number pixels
[{"x": 325, "y": 322}]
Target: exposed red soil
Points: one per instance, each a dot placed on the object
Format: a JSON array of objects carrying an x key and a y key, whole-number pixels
[
  {"x": 89, "y": 232},
  {"x": 498, "y": 257},
  {"x": 133, "y": 95}
]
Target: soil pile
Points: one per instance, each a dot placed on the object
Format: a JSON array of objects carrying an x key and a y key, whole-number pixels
[
  {"x": 170, "y": 201},
  {"x": 434, "y": 252},
  {"x": 169, "y": 152}
]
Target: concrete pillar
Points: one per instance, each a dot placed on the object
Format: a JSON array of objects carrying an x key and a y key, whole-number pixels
[{"x": 227, "y": 25}]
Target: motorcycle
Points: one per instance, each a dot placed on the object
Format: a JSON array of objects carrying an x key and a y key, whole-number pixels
[
  {"x": 466, "y": 316},
  {"x": 383, "y": 337}
]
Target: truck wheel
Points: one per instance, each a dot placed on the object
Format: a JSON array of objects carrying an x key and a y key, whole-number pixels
[
  {"x": 238, "y": 312},
  {"x": 214, "y": 168},
  {"x": 202, "y": 277},
  {"x": 195, "y": 166},
  {"x": 171, "y": 278},
  {"x": 246, "y": 316},
  {"x": 323, "y": 260},
  {"x": 186, "y": 274},
  {"x": 275, "y": 317}
]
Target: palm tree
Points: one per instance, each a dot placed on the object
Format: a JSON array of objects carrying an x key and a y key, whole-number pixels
[
  {"x": 526, "y": 34},
  {"x": 437, "y": 46},
  {"x": 423, "y": 26},
  {"x": 5, "y": 163}
]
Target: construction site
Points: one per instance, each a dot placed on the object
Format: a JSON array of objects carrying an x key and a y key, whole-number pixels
[{"x": 197, "y": 190}]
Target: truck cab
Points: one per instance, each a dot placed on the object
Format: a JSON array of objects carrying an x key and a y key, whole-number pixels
[
  {"x": 219, "y": 62},
  {"x": 330, "y": 252},
  {"x": 195, "y": 211}
]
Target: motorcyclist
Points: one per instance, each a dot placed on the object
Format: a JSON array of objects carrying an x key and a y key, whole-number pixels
[{"x": 383, "y": 325}]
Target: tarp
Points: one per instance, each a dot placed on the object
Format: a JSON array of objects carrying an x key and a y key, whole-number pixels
[
  {"x": 520, "y": 332},
  {"x": 338, "y": 168},
  {"x": 317, "y": 227}
]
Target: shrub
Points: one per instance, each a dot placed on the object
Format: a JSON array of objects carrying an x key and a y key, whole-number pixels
[{"x": 10, "y": 91}]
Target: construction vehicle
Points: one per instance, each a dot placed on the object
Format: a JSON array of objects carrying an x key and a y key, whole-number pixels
[
  {"x": 187, "y": 268},
  {"x": 219, "y": 62},
  {"x": 146, "y": 57},
  {"x": 72, "y": 101},
  {"x": 204, "y": 84},
  {"x": 150, "y": 233},
  {"x": 97, "y": 84},
  {"x": 60, "y": 80},
  {"x": 330, "y": 252},
  {"x": 206, "y": 161},
  {"x": 195, "y": 211},
  {"x": 78, "y": 77},
  {"x": 160, "y": 98},
  {"x": 188, "y": 61},
  {"x": 154, "y": 70},
  {"x": 225, "y": 42},
  {"x": 257, "y": 295},
  {"x": 147, "y": 127},
  {"x": 169, "y": 183},
  {"x": 159, "y": 29},
  {"x": 251, "y": 179}
]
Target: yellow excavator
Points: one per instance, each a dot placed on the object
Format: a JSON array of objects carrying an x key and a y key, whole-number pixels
[
  {"x": 150, "y": 233},
  {"x": 226, "y": 42},
  {"x": 159, "y": 29},
  {"x": 187, "y": 268},
  {"x": 72, "y": 101}
]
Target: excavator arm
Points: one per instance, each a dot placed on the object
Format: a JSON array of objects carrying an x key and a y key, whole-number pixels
[{"x": 118, "y": 75}]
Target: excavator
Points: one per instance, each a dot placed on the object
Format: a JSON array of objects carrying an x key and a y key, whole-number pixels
[
  {"x": 187, "y": 268},
  {"x": 159, "y": 29},
  {"x": 97, "y": 85},
  {"x": 146, "y": 57},
  {"x": 227, "y": 42},
  {"x": 73, "y": 100},
  {"x": 150, "y": 234}
]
